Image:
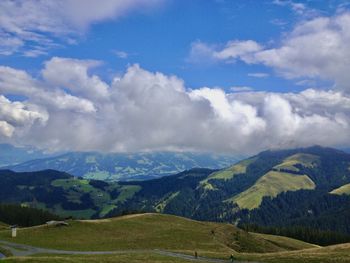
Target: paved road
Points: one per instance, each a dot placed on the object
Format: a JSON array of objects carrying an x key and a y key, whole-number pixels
[{"x": 20, "y": 250}]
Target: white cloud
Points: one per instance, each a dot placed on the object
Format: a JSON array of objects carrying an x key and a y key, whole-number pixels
[
  {"x": 258, "y": 75},
  {"x": 142, "y": 110},
  {"x": 299, "y": 8},
  {"x": 17, "y": 115},
  {"x": 6, "y": 129},
  {"x": 315, "y": 49},
  {"x": 241, "y": 88},
  {"x": 19, "y": 82},
  {"x": 76, "y": 77},
  {"x": 43, "y": 22},
  {"x": 121, "y": 54},
  {"x": 237, "y": 50},
  {"x": 232, "y": 51}
]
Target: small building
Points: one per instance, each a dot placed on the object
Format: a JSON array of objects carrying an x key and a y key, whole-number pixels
[{"x": 14, "y": 230}]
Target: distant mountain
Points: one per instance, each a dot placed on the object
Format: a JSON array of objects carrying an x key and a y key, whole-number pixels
[
  {"x": 306, "y": 187},
  {"x": 119, "y": 166},
  {"x": 10, "y": 155}
]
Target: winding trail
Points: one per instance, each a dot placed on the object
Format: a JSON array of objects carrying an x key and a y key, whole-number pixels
[{"x": 20, "y": 250}]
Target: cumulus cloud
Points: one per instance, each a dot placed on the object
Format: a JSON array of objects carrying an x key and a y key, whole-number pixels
[
  {"x": 17, "y": 115},
  {"x": 231, "y": 52},
  {"x": 33, "y": 26},
  {"x": 145, "y": 111},
  {"x": 315, "y": 49},
  {"x": 76, "y": 77},
  {"x": 13, "y": 81}
]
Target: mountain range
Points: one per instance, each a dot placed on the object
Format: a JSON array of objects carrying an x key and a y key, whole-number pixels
[
  {"x": 11, "y": 155},
  {"x": 307, "y": 187},
  {"x": 110, "y": 166}
]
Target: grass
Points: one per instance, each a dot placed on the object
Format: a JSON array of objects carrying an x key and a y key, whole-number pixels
[
  {"x": 304, "y": 159},
  {"x": 162, "y": 204},
  {"x": 3, "y": 226},
  {"x": 345, "y": 189},
  {"x": 120, "y": 258},
  {"x": 86, "y": 213},
  {"x": 286, "y": 242},
  {"x": 146, "y": 231},
  {"x": 271, "y": 184},
  {"x": 226, "y": 174},
  {"x": 127, "y": 191},
  {"x": 76, "y": 188},
  {"x": 106, "y": 209},
  {"x": 332, "y": 254},
  {"x": 156, "y": 231},
  {"x": 67, "y": 184},
  {"x": 98, "y": 175}
]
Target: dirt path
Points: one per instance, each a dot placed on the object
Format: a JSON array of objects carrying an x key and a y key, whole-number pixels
[{"x": 20, "y": 250}]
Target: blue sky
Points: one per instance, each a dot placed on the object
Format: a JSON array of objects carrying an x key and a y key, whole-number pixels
[
  {"x": 160, "y": 40},
  {"x": 235, "y": 56}
]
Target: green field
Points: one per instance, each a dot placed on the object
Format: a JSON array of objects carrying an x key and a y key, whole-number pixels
[
  {"x": 226, "y": 174},
  {"x": 120, "y": 258},
  {"x": 271, "y": 184},
  {"x": 146, "y": 231},
  {"x": 304, "y": 159},
  {"x": 138, "y": 237},
  {"x": 3, "y": 226}
]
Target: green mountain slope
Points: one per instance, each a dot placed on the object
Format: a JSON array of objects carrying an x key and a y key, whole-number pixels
[
  {"x": 62, "y": 193},
  {"x": 272, "y": 188},
  {"x": 119, "y": 167},
  {"x": 344, "y": 189},
  {"x": 271, "y": 184}
]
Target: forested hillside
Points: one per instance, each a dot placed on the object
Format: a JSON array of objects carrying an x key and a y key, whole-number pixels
[{"x": 289, "y": 188}]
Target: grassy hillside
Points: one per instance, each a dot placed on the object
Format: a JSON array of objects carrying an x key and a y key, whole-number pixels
[
  {"x": 337, "y": 253},
  {"x": 271, "y": 184},
  {"x": 227, "y": 174},
  {"x": 63, "y": 194},
  {"x": 150, "y": 231},
  {"x": 345, "y": 189},
  {"x": 120, "y": 258},
  {"x": 171, "y": 233},
  {"x": 244, "y": 185},
  {"x": 203, "y": 194},
  {"x": 3, "y": 226}
]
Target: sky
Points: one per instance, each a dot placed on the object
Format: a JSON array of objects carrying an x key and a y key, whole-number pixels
[{"x": 223, "y": 76}]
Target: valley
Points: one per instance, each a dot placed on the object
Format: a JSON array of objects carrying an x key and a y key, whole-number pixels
[
  {"x": 117, "y": 166},
  {"x": 289, "y": 192}
]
